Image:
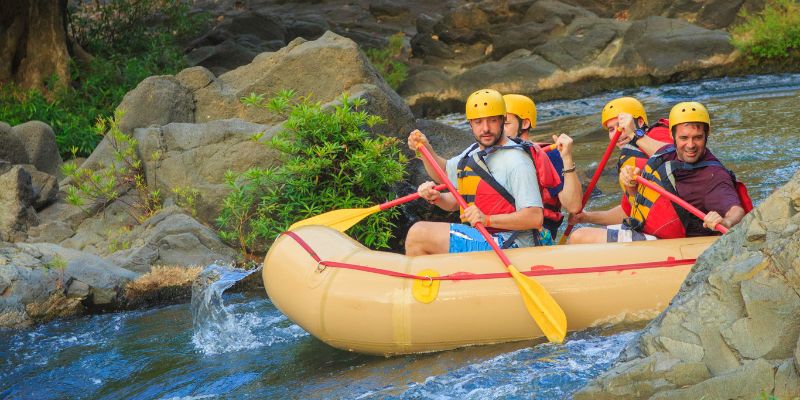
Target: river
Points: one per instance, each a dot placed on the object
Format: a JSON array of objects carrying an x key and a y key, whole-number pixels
[{"x": 257, "y": 353}]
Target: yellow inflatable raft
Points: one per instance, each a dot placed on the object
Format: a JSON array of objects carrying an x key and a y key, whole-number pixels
[{"x": 384, "y": 303}]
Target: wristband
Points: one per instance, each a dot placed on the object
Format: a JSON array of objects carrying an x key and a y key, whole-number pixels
[
  {"x": 486, "y": 224},
  {"x": 568, "y": 170}
]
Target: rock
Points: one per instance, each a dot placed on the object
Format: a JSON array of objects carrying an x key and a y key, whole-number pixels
[
  {"x": 386, "y": 8},
  {"x": 221, "y": 58},
  {"x": 310, "y": 27},
  {"x": 172, "y": 238},
  {"x": 39, "y": 142},
  {"x": 555, "y": 12},
  {"x": 11, "y": 149},
  {"x": 16, "y": 200},
  {"x": 157, "y": 100},
  {"x": 260, "y": 23},
  {"x": 523, "y": 36},
  {"x": 712, "y": 14},
  {"x": 734, "y": 315},
  {"x": 426, "y": 45},
  {"x": 680, "y": 46},
  {"x": 198, "y": 155},
  {"x": 195, "y": 78},
  {"x": 583, "y": 43},
  {"x": 50, "y": 232},
  {"x": 787, "y": 381},
  {"x": 45, "y": 187},
  {"x": 337, "y": 64},
  {"x": 34, "y": 277},
  {"x": 515, "y": 75},
  {"x": 467, "y": 23}
]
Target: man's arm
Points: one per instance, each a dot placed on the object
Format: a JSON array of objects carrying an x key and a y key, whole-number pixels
[
  {"x": 524, "y": 219},
  {"x": 613, "y": 216},
  {"x": 570, "y": 195},
  {"x": 415, "y": 138},
  {"x": 649, "y": 145}
]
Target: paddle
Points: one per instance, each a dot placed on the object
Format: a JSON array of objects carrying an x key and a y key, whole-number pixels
[
  {"x": 595, "y": 178},
  {"x": 677, "y": 200},
  {"x": 342, "y": 220},
  {"x": 540, "y": 304}
]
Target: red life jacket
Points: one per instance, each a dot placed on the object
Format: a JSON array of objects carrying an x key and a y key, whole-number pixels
[
  {"x": 658, "y": 216},
  {"x": 479, "y": 187},
  {"x": 632, "y": 155}
]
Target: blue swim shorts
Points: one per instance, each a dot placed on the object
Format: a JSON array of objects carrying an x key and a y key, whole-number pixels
[{"x": 464, "y": 239}]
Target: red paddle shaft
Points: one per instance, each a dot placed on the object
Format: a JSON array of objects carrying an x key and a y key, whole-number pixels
[
  {"x": 677, "y": 200},
  {"x": 407, "y": 198}
]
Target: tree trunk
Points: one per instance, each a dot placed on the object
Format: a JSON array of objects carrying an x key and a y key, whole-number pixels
[{"x": 33, "y": 42}]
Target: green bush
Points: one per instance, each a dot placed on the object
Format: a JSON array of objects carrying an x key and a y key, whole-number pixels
[
  {"x": 329, "y": 162},
  {"x": 130, "y": 40},
  {"x": 387, "y": 61},
  {"x": 105, "y": 185},
  {"x": 771, "y": 33}
]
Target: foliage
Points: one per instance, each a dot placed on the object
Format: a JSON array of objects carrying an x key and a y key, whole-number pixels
[
  {"x": 771, "y": 33},
  {"x": 128, "y": 46},
  {"x": 387, "y": 61},
  {"x": 109, "y": 181},
  {"x": 186, "y": 198},
  {"x": 329, "y": 162}
]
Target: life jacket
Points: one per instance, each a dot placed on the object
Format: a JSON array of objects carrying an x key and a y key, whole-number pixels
[
  {"x": 552, "y": 204},
  {"x": 658, "y": 216},
  {"x": 632, "y": 155},
  {"x": 479, "y": 187}
]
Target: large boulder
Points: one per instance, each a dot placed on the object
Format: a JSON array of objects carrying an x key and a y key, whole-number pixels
[
  {"x": 197, "y": 156},
  {"x": 335, "y": 62},
  {"x": 170, "y": 237},
  {"x": 11, "y": 150},
  {"x": 664, "y": 46},
  {"x": 731, "y": 331},
  {"x": 583, "y": 43},
  {"x": 43, "y": 281},
  {"x": 157, "y": 100},
  {"x": 16, "y": 205},
  {"x": 39, "y": 142}
]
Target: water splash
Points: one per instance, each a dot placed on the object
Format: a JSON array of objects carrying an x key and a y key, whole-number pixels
[{"x": 216, "y": 330}]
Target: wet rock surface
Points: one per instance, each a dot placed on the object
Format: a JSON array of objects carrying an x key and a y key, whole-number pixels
[{"x": 731, "y": 331}]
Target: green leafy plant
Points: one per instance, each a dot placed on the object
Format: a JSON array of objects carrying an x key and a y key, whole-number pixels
[
  {"x": 106, "y": 184},
  {"x": 186, "y": 198},
  {"x": 129, "y": 40},
  {"x": 773, "y": 32},
  {"x": 387, "y": 61},
  {"x": 330, "y": 161},
  {"x": 60, "y": 264}
]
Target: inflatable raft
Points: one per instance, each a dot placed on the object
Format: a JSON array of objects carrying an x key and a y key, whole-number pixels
[{"x": 383, "y": 303}]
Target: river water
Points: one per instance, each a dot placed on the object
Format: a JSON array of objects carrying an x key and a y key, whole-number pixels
[{"x": 248, "y": 349}]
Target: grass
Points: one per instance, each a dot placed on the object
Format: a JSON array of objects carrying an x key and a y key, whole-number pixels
[{"x": 772, "y": 33}]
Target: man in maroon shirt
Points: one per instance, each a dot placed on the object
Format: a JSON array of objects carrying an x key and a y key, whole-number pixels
[{"x": 688, "y": 169}]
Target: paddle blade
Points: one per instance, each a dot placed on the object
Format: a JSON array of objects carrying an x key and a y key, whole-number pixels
[
  {"x": 542, "y": 307},
  {"x": 341, "y": 220}
]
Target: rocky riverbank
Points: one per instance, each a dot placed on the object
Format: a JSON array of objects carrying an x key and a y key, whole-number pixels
[
  {"x": 732, "y": 330},
  {"x": 544, "y": 48}
]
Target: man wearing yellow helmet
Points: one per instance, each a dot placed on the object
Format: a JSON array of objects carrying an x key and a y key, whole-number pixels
[
  {"x": 499, "y": 183},
  {"x": 686, "y": 167},
  {"x": 520, "y": 119},
  {"x": 636, "y": 143}
]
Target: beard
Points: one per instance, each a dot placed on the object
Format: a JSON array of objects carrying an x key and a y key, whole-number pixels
[{"x": 484, "y": 141}]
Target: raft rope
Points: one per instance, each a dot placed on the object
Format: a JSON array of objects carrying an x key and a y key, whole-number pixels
[{"x": 535, "y": 270}]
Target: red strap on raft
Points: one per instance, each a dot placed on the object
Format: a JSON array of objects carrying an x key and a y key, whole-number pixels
[{"x": 535, "y": 270}]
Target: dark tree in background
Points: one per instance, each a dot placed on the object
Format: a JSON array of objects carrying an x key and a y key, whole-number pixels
[{"x": 33, "y": 42}]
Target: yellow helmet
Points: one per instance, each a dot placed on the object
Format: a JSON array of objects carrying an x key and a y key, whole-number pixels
[
  {"x": 623, "y": 104},
  {"x": 485, "y": 103},
  {"x": 521, "y": 106},
  {"x": 688, "y": 111}
]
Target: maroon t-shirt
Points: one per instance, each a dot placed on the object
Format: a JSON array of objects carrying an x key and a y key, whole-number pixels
[{"x": 708, "y": 189}]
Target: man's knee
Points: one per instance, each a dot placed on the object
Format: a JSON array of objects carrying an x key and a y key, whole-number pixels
[
  {"x": 588, "y": 235},
  {"x": 424, "y": 238}
]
